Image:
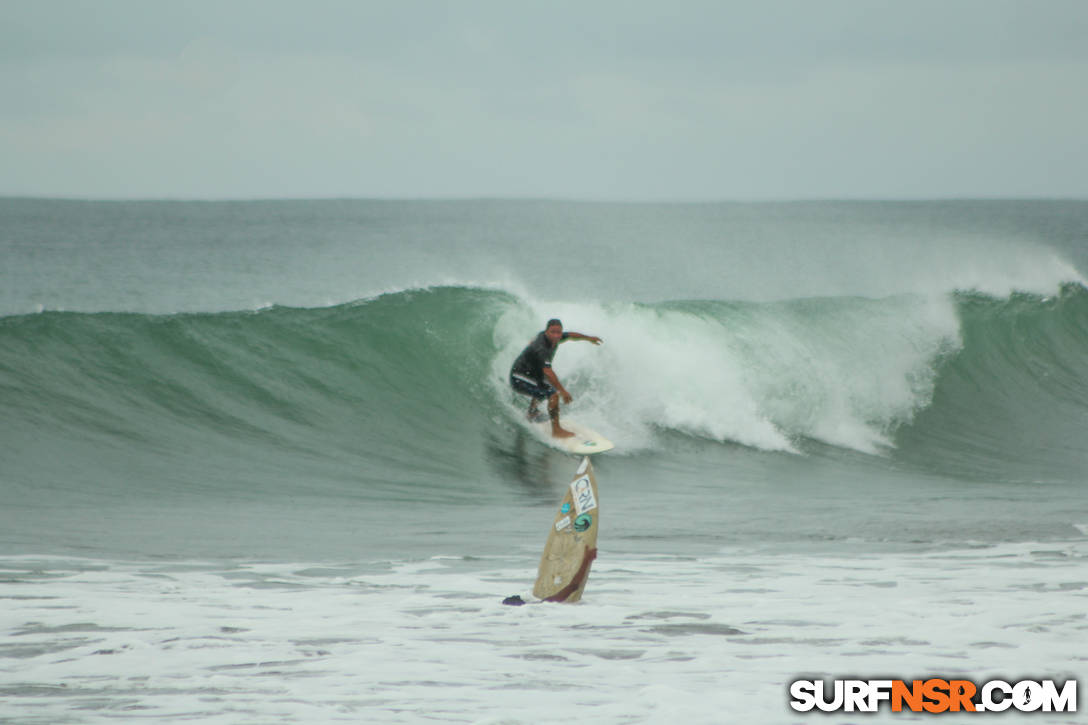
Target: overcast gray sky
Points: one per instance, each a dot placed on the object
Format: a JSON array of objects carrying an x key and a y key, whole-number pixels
[{"x": 680, "y": 100}]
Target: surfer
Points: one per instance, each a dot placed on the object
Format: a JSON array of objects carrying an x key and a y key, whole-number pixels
[{"x": 532, "y": 374}]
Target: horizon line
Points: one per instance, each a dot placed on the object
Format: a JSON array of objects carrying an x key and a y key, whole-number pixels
[{"x": 647, "y": 201}]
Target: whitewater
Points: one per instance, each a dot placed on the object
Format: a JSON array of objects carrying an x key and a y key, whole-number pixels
[{"x": 260, "y": 462}]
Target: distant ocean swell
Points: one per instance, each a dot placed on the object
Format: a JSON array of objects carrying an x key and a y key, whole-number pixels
[{"x": 957, "y": 381}]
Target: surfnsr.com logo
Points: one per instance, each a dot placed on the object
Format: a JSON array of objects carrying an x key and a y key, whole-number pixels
[{"x": 933, "y": 695}]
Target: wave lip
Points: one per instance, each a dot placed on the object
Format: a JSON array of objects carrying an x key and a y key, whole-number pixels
[{"x": 1013, "y": 403}]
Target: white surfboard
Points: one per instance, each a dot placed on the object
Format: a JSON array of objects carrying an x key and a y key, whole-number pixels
[{"x": 585, "y": 441}]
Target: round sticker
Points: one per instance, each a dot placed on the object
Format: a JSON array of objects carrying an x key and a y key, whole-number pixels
[{"x": 583, "y": 522}]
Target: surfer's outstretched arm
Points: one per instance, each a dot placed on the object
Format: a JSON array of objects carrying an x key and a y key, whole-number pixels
[{"x": 579, "y": 336}]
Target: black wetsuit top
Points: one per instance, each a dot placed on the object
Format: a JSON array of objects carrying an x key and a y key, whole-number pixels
[{"x": 534, "y": 358}]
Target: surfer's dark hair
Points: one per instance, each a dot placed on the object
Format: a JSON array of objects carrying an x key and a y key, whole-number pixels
[{"x": 553, "y": 321}]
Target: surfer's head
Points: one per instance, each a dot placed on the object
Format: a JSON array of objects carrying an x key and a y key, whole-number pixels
[{"x": 554, "y": 331}]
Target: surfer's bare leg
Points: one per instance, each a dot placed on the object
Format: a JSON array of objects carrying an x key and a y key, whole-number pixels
[{"x": 553, "y": 413}]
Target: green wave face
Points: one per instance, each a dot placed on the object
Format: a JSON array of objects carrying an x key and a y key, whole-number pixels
[{"x": 393, "y": 397}]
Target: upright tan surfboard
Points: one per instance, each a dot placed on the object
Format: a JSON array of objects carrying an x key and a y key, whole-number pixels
[{"x": 572, "y": 541}]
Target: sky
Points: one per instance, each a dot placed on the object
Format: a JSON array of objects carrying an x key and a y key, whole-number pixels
[{"x": 609, "y": 100}]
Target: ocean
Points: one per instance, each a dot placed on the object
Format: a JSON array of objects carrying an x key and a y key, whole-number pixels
[{"x": 259, "y": 461}]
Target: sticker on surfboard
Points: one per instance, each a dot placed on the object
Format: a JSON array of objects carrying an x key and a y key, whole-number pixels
[{"x": 581, "y": 490}]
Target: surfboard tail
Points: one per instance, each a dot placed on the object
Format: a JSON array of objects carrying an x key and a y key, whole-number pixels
[
  {"x": 573, "y": 592},
  {"x": 585, "y": 440}
]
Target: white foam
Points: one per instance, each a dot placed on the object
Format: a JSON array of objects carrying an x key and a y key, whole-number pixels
[
  {"x": 842, "y": 371},
  {"x": 655, "y": 637}
]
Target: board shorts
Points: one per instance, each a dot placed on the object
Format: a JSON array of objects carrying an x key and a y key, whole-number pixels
[{"x": 530, "y": 387}]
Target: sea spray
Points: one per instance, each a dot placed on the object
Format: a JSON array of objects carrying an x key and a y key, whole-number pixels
[{"x": 844, "y": 371}]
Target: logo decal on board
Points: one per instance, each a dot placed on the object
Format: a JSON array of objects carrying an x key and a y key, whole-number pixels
[
  {"x": 582, "y": 491},
  {"x": 583, "y": 522}
]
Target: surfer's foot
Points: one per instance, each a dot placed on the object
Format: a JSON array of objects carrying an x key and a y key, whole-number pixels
[{"x": 558, "y": 432}]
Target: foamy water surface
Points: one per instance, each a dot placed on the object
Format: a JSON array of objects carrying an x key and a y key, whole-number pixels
[{"x": 656, "y": 639}]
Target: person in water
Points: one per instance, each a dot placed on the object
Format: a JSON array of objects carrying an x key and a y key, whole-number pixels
[{"x": 532, "y": 372}]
